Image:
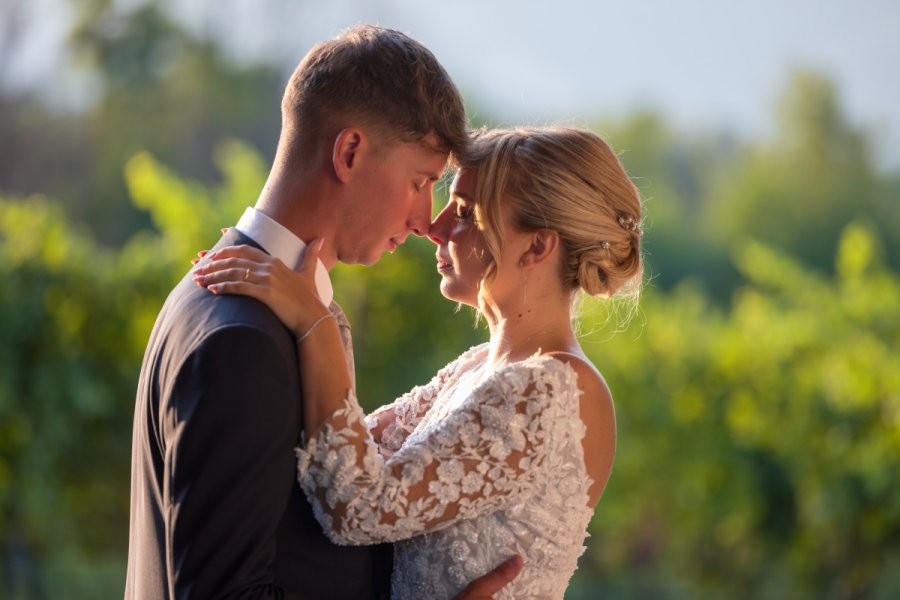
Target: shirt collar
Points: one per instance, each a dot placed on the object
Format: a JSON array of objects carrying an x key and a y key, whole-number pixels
[{"x": 281, "y": 243}]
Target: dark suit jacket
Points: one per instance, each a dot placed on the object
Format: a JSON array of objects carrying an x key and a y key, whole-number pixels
[{"x": 215, "y": 508}]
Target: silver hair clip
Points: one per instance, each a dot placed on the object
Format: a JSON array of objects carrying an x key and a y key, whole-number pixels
[
  {"x": 627, "y": 222},
  {"x": 605, "y": 245}
]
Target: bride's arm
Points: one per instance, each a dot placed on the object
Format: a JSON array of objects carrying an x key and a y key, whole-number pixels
[
  {"x": 392, "y": 423},
  {"x": 478, "y": 460}
]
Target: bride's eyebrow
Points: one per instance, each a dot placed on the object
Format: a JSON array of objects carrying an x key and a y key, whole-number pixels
[{"x": 462, "y": 195}]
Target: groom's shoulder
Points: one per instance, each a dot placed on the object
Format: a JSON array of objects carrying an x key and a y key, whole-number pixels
[{"x": 192, "y": 315}]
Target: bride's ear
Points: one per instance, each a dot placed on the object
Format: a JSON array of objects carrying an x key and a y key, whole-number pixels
[{"x": 544, "y": 243}]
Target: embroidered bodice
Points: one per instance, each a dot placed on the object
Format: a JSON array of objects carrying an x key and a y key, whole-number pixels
[{"x": 474, "y": 467}]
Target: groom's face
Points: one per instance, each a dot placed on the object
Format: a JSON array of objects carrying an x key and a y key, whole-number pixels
[{"x": 392, "y": 198}]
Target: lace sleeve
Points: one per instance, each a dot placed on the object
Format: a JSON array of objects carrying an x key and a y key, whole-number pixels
[
  {"x": 477, "y": 460},
  {"x": 392, "y": 423}
]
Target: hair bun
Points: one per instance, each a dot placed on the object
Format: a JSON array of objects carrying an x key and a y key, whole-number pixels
[
  {"x": 591, "y": 269},
  {"x": 608, "y": 269}
]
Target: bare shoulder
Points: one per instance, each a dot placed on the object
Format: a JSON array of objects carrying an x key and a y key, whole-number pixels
[
  {"x": 599, "y": 416},
  {"x": 590, "y": 381}
]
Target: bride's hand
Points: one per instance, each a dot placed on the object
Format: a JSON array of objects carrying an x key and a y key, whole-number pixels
[{"x": 247, "y": 271}]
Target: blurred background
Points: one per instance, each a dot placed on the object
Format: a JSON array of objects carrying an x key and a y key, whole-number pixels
[{"x": 757, "y": 387}]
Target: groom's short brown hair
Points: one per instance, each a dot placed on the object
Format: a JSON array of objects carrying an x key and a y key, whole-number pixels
[{"x": 377, "y": 77}]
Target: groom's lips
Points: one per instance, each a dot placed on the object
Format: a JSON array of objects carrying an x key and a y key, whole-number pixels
[{"x": 396, "y": 241}]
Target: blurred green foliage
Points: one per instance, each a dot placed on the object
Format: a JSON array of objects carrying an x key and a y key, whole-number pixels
[
  {"x": 757, "y": 388},
  {"x": 758, "y": 442},
  {"x": 156, "y": 87}
]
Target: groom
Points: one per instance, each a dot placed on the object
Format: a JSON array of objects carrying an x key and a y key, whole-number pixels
[{"x": 368, "y": 122}]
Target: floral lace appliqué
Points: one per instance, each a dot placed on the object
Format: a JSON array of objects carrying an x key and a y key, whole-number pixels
[{"x": 501, "y": 472}]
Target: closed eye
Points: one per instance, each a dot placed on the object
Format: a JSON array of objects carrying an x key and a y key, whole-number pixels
[
  {"x": 420, "y": 186},
  {"x": 462, "y": 213}
]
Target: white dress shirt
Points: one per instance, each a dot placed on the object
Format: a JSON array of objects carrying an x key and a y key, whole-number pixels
[{"x": 279, "y": 242}]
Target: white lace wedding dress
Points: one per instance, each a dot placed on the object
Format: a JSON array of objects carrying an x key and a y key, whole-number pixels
[{"x": 474, "y": 467}]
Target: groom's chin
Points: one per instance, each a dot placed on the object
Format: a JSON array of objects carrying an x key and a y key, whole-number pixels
[
  {"x": 366, "y": 258},
  {"x": 370, "y": 259}
]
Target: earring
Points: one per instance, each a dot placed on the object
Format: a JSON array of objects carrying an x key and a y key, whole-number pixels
[{"x": 525, "y": 290}]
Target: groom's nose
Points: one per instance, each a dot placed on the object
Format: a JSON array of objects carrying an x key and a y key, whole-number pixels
[{"x": 420, "y": 219}]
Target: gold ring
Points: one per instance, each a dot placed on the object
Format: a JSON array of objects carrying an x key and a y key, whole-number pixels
[{"x": 247, "y": 274}]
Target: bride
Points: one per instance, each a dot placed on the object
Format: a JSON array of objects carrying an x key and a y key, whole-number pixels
[{"x": 508, "y": 448}]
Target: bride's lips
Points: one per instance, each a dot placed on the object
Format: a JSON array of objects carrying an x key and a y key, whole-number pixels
[{"x": 443, "y": 265}]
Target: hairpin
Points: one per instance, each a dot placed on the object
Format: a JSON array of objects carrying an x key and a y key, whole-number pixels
[{"x": 628, "y": 222}]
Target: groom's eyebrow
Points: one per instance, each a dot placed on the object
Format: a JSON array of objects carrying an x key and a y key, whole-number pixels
[{"x": 431, "y": 175}]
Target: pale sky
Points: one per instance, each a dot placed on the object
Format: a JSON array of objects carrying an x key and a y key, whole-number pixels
[{"x": 701, "y": 63}]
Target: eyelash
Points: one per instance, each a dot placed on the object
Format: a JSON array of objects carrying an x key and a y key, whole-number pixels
[{"x": 463, "y": 216}]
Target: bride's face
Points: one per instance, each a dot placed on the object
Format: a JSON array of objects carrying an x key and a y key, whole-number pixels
[{"x": 461, "y": 254}]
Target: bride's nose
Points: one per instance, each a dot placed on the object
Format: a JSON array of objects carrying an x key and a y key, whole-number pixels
[{"x": 437, "y": 233}]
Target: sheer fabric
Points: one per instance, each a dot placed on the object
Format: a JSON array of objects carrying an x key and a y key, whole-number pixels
[{"x": 473, "y": 468}]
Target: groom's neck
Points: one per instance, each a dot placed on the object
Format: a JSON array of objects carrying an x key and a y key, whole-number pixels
[{"x": 303, "y": 206}]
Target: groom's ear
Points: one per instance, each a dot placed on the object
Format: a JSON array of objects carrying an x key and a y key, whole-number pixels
[
  {"x": 543, "y": 244},
  {"x": 347, "y": 146}
]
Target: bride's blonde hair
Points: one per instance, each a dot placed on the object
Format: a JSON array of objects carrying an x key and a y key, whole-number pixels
[{"x": 567, "y": 180}]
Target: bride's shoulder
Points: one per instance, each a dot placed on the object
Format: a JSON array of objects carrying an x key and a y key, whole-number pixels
[
  {"x": 575, "y": 373},
  {"x": 569, "y": 371},
  {"x": 597, "y": 412},
  {"x": 588, "y": 379}
]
